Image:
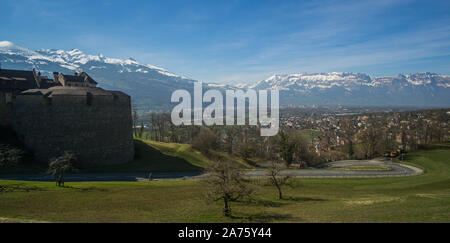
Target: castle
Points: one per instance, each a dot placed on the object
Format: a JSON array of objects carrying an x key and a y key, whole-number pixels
[{"x": 67, "y": 113}]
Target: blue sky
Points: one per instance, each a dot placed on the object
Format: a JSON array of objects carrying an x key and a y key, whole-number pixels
[{"x": 242, "y": 41}]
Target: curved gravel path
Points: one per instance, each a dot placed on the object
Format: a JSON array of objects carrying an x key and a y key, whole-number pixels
[{"x": 326, "y": 171}]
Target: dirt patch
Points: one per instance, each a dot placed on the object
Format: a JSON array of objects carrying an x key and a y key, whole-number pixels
[
  {"x": 429, "y": 195},
  {"x": 13, "y": 220},
  {"x": 372, "y": 200}
]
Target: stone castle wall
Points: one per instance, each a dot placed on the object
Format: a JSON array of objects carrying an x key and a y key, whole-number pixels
[
  {"x": 97, "y": 129},
  {"x": 5, "y": 110}
]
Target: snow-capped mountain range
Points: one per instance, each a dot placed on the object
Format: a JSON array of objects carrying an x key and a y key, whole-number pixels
[
  {"x": 419, "y": 89},
  {"x": 75, "y": 59},
  {"x": 306, "y": 81},
  {"x": 151, "y": 86}
]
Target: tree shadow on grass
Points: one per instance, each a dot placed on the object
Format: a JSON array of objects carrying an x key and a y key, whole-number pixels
[
  {"x": 262, "y": 202},
  {"x": 304, "y": 199},
  {"x": 85, "y": 189},
  {"x": 148, "y": 159},
  {"x": 251, "y": 163},
  {"x": 19, "y": 188},
  {"x": 267, "y": 217}
]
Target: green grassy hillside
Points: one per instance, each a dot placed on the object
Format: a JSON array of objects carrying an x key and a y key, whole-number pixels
[
  {"x": 150, "y": 156},
  {"x": 165, "y": 157},
  {"x": 424, "y": 198},
  {"x": 158, "y": 157}
]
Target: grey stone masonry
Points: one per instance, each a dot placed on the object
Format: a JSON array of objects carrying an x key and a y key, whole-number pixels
[
  {"x": 93, "y": 123},
  {"x": 5, "y": 108}
]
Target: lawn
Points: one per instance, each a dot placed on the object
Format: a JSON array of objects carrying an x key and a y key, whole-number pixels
[
  {"x": 158, "y": 157},
  {"x": 424, "y": 198},
  {"x": 192, "y": 156},
  {"x": 149, "y": 156},
  {"x": 165, "y": 157}
]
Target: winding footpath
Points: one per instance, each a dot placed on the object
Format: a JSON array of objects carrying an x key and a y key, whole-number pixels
[{"x": 330, "y": 170}]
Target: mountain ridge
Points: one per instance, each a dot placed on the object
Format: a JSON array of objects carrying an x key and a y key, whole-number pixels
[
  {"x": 148, "y": 85},
  {"x": 151, "y": 86}
]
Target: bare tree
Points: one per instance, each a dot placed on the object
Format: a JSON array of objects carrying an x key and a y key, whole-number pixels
[
  {"x": 275, "y": 177},
  {"x": 141, "y": 130},
  {"x": 230, "y": 135},
  {"x": 369, "y": 139},
  {"x": 224, "y": 181},
  {"x": 10, "y": 156},
  {"x": 135, "y": 117},
  {"x": 287, "y": 147},
  {"x": 245, "y": 150},
  {"x": 60, "y": 165},
  {"x": 205, "y": 141}
]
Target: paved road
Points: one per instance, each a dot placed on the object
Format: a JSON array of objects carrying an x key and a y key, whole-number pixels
[
  {"x": 101, "y": 176},
  {"x": 325, "y": 171}
]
